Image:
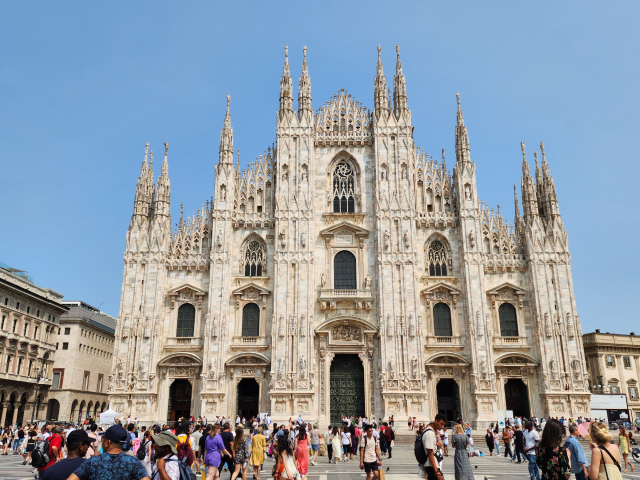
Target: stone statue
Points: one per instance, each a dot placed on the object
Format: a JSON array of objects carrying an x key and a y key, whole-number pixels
[
  {"x": 489, "y": 327},
  {"x": 142, "y": 367},
  {"x": 219, "y": 239},
  {"x": 554, "y": 369},
  {"x": 392, "y": 369},
  {"x": 367, "y": 281},
  {"x": 547, "y": 325},
  {"x": 379, "y": 364},
  {"x": 404, "y": 173},
  {"x": 472, "y": 238},
  {"x": 404, "y": 382},
  {"x": 329, "y": 197},
  {"x": 214, "y": 326},
  {"x": 414, "y": 366},
  {"x": 467, "y": 192},
  {"x": 212, "y": 366},
  {"x": 271, "y": 382},
  {"x": 119, "y": 367},
  {"x": 387, "y": 239},
  {"x": 483, "y": 369},
  {"x": 472, "y": 329},
  {"x": 303, "y": 240},
  {"x": 323, "y": 280},
  {"x": 304, "y": 174},
  {"x": 405, "y": 237},
  {"x": 281, "y": 367},
  {"x": 303, "y": 367}
]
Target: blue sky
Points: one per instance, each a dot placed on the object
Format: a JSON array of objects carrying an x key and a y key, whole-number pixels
[{"x": 83, "y": 86}]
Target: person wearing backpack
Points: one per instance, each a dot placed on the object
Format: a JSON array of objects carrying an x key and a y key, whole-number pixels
[
  {"x": 77, "y": 445},
  {"x": 167, "y": 462},
  {"x": 370, "y": 458},
  {"x": 53, "y": 448},
  {"x": 144, "y": 452},
  {"x": 113, "y": 463},
  {"x": 186, "y": 446},
  {"x": 426, "y": 447}
]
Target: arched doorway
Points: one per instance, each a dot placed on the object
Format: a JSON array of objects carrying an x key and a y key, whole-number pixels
[
  {"x": 10, "y": 409},
  {"x": 448, "y": 397},
  {"x": 516, "y": 396},
  {"x": 180, "y": 400},
  {"x": 74, "y": 407},
  {"x": 248, "y": 398},
  {"x": 346, "y": 387},
  {"x": 53, "y": 409},
  {"x": 23, "y": 403}
]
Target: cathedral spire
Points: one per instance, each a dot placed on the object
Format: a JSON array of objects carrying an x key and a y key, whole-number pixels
[
  {"x": 380, "y": 88},
  {"x": 515, "y": 203},
  {"x": 399, "y": 88},
  {"x": 304, "y": 91},
  {"x": 144, "y": 190},
  {"x": 463, "y": 153},
  {"x": 530, "y": 207},
  {"x": 226, "y": 138},
  {"x": 286, "y": 91},
  {"x": 163, "y": 188},
  {"x": 550, "y": 198}
]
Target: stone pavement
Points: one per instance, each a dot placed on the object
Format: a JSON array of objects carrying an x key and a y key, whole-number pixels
[{"x": 402, "y": 466}]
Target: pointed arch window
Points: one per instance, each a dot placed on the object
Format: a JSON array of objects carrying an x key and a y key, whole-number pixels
[
  {"x": 343, "y": 188},
  {"x": 186, "y": 320},
  {"x": 344, "y": 271},
  {"x": 442, "y": 320},
  {"x": 254, "y": 259},
  {"x": 437, "y": 259},
  {"x": 251, "y": 320},
  {"x": 508, "y": 320}
]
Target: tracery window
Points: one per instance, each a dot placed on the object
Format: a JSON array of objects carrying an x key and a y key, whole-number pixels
[
  {"x": 442, "y": 320},
  {"x": 508, "y": 320},
  {"x": 343, "y": 188},
  {"x": 251, "y": 320},
  {"x": 186, "y": 320},
  {"x": 254, "y": 259},
  {"x": 344, "y": 271},
  {"x": 437, "y": 259}
]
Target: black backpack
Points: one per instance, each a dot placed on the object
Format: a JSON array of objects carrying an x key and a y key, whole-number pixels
[
  {"x": 419, "y": 451},
  {"x": 142, "y": 451},
  {"x": 40, "y": 455},
  {"x": 128, "y": 444}
]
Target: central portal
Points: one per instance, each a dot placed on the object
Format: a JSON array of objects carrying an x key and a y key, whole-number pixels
[
  {"x": 248, "y": 398},
  {"x": 180, "y": 400},
  {"x": 517, "y": 397},
  {"x": 346, "y": 387},
  {"x": 448, "y": 395}
]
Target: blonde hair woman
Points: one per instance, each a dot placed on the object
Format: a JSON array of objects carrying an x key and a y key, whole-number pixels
[
  {"x": 461, "y": 462},
  {"x": 258, "y": 444},
  {"x": 605, "y": 456},
  {"x": 623, "y": 443}
]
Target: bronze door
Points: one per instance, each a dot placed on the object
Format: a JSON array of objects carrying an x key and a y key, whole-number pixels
[{"x": 346, "y": 387}]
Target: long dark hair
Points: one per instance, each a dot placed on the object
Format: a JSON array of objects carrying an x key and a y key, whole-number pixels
[
  {"x": 552, "y": 434},
  {"x": 302, "y": 434},
  {"x": 283, "y": 445}
]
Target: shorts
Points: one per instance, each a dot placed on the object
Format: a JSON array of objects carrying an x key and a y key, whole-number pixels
[
  {"x": 431, "y": 473},
  {"x": 370, "y": 467},
  {"x": 315, "y": 447},
  {"x": 229, "y": 461}
]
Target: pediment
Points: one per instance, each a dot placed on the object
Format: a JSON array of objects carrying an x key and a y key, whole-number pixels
[
  {"x": 181, "y": 359},
  {"x": 347, "y": 227},
  {"x": 448, "y": 358},
  {"x": 250, "y": 288},
  {"x": 247, "y": 360},
  {"x": 186, "y": 287},
  {"x": 513, "y": 358},
  {"x": 445, "y": 287},
  {"x": 506, "y": 286},
  {"x": 344, "y": 322}
]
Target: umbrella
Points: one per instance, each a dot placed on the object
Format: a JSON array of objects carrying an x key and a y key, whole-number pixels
[{"x": 583, "y": 429}]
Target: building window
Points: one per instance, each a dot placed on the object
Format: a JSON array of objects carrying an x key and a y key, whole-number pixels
[
  {"x": 85, "y": 382},
  {"x": 28, "y": 309},
  {"x": 344, "y": 271},
  {"x": 18, "y": 306},
  {"x": 633, "y": 393},
  {"x": 4, "y": 319},
  {"x": 437, "y": 259},
  {"x": 100, "y": 378},
  {"x": 614, "y": 389},
  {"x": 610, "y": 361},
  {"x": 508, "y": 320},
  {"x": 29, "y": 367},
  {"x": 15, "y": 324},
  {"x": 186, "y": 320},
  {"x": 8, "y": 363},
  {"x": 442, "y": 320},
  {"x": 254, "y": 259},
  {"x": 251, "y": 320},
  {"x": 65, "y": 346},
  {"x": 35, "y": 333},
  {"x": 343, "y": 188},
  {"x": 55, "y": 383},
  {"x": 19, "y": 371},
  {"x": 627, "y": 362},
  {"x": 24, "y": 330},
  {"x": 67, "y": 331}
]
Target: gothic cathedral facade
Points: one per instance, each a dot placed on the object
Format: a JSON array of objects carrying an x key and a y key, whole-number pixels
[{"x": 346, "y": 271}]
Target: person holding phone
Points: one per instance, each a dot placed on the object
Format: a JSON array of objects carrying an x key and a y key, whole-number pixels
[{"x": 370, "y": 458}]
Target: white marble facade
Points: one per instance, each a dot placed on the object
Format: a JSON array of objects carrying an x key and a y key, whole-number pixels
[{"x": 342, "y": 179}]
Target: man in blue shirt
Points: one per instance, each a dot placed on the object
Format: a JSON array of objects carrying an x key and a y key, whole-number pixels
[{"x": 579, "y": 462}]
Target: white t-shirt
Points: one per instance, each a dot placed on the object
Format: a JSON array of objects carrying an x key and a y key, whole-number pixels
[
  {"x": 429, "y": 441},
  {"x": 369, "y": 446},
  {"x": 346, "y": 438},
  {"x": 530, "y": 439},
  {"x": 172, "y": 468}
]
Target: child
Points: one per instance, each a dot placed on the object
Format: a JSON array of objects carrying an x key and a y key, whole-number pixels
[{"x": 472, "y": 453}]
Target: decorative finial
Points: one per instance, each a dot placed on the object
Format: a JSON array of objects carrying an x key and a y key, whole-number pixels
[
  {"x": 146, "y": 149},
  {"x": 542, "y": 148},
  {"x": 524, "y": 156},
  {"x": 458, "y": 99},
  {"x": 515, "y": 192},
  {"x": 443, "y": 154},
  {"x": 304, "y": 52},
  {"x": 151, "y": 158},
  {"x": 228, "y": 101},
  {"x": 286, "y": 53},
  {"x": 379, "y": 50},
  {"x": 535, "y": 155},
  {"x": 398, "y": 51},
  {"x": 166, "y": 148}
]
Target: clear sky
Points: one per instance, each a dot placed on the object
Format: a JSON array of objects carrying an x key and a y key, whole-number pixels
[{"x": 83, "y": 86}]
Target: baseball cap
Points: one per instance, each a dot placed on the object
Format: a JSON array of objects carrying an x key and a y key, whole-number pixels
[
  {"x": 79, "y": 436},
  {"x": 166, "y": 438},
  {"x": 116, "y": 433}
]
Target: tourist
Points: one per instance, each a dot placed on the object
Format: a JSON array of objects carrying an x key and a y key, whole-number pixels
[
  {"x": 488, "y": 439},
  {"x": 370, "y": 454},
  {"x": 445, "y": 441},
  {"x": 605, "y": 455},
  {"x": 552, "y": 458},
  {"x": 410, "y": 424},
  {"x": 389, "y": 436},
  {"x": 227, "y": 439},
  {"x": 77, "y": 445},
  {"x": 146, "y": 447},
  {"x": 430, "y": 444},
  {"x": 166, "y": 455},
  {"x": 258, "y": 445},
  {"x": 285, "y": 467},
  {"x": 213, "y": 451},
  {"x": 623, "y": 444},
  {"x": 314, "y": 437},
  {"x": 301, "y": 453},
  {"x": 327, "y": 441},
  {"x": 518, "y": 437},
  {"x": 531, "y": 439},
  {"x": 242, "y": 454},
  {"x": 496, "y": 439},
  {"x": 113, "y": 463},
  {"x": 31, "y": 444},
  {"x": 471, "y": 451},
  {"x": 55, "y": 450},
  {"x": 346, "y": 442},
  {"x": 336, "y": 442},
  {"x": 461, "y": 458},
  {"x": 579, "y": 465}
]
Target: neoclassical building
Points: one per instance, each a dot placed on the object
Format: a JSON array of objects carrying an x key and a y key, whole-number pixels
[{"x": 346, "y": 271}]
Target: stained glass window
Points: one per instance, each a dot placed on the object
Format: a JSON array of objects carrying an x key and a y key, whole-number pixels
[
  {"x": 442, "y": 320},
  {"x": 254, "y": 259},
  {"x": 344, "y": 270},
  {"x": 186, "y": 320},
  {"x": 437, "y": 259},
  {"x": 251, "y": 320},
  {"x": 343, "y": 189},
  {"x": 508, "y": 320}
]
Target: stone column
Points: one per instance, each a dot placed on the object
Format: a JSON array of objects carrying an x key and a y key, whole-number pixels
[
  {"x": 3, "y": 417},
  {"x": 16, "y": 406}
]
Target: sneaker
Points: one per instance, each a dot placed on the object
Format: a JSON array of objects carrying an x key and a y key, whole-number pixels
[{"x": 24, "y": 463}]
